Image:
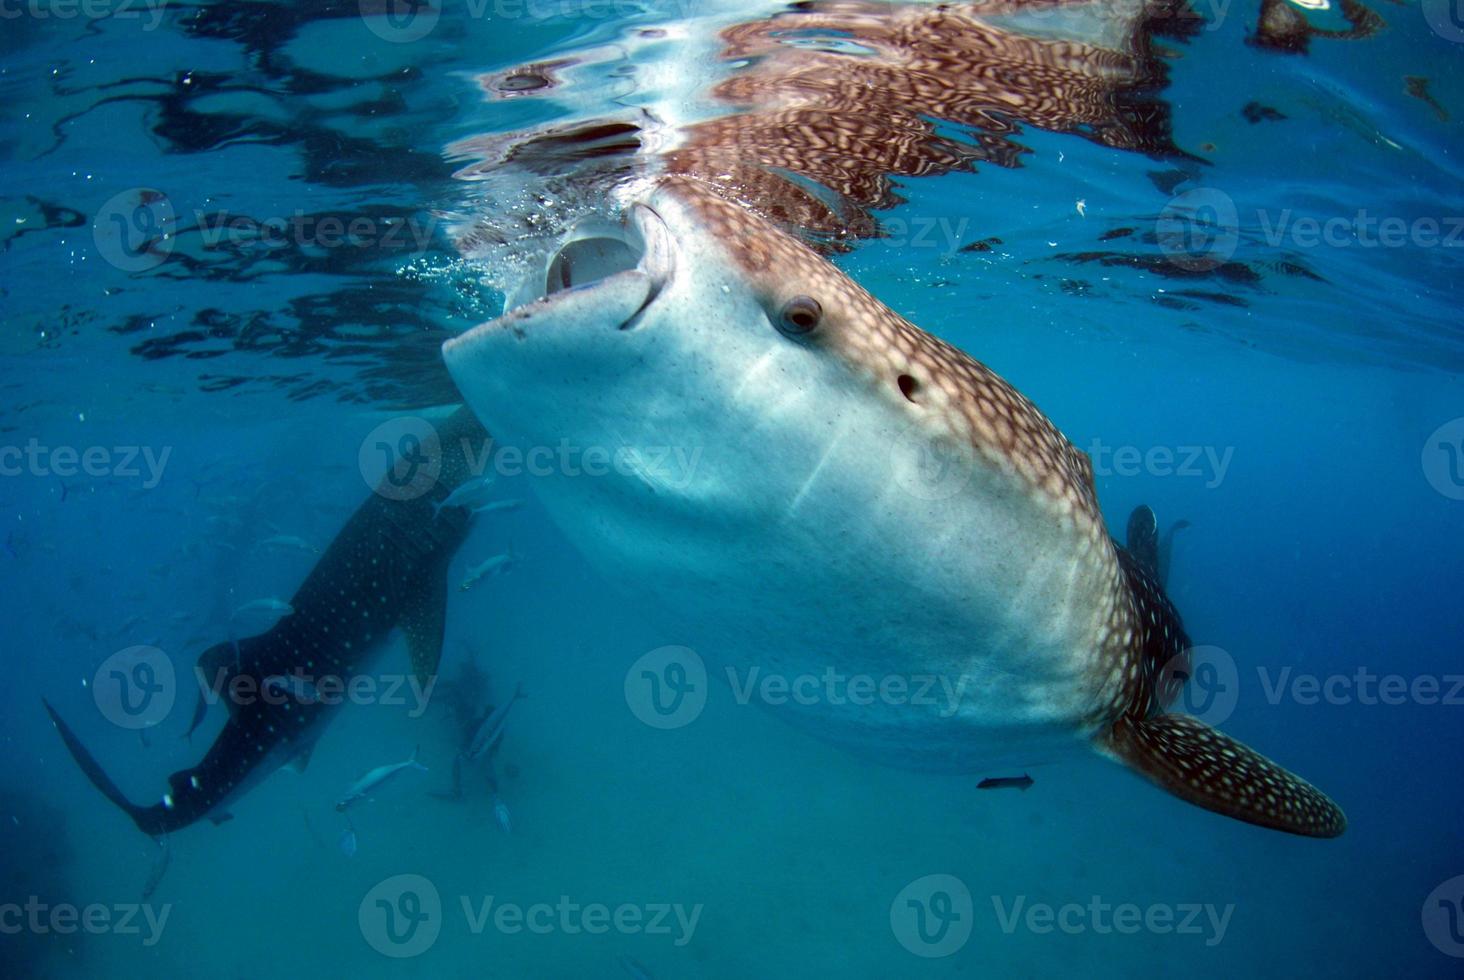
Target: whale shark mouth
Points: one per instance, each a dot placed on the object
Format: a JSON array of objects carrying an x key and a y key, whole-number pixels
[{"x": 614, "y": 271}]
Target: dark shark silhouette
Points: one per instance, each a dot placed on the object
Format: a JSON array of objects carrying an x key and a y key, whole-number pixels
[
  {"x": 1145, "y": 543},
  {"x": 387, "y": 568}
]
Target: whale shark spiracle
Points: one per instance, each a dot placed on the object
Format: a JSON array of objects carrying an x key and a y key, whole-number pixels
[{"x": 711, "y": 317}]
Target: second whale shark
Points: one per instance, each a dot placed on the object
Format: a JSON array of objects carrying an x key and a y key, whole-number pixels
[{"x": 386, "y": 570}]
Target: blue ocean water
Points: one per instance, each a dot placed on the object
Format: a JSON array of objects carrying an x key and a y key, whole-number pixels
[{"x": 231, "y": 253}]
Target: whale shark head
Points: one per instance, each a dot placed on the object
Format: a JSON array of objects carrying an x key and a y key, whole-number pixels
[
  {"x": 738, "y": 379},
  {"x": 814, "y": 484}
]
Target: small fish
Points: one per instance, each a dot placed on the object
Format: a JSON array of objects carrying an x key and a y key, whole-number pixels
[
  {"x": 497, "y": 565},
  {"x": 1006, "y": 782},
  {"x": 493, "y": 506},
  {"x": 347, "y": 843},
  {"x": 298, "y": 687},
  {"x": 490, "y": 730},
  {"x": 277, "y": 607},
  {"x": 463, "y": 494},
  {"x": 501, "y": 814},
  {"x": 633, "y": 968},
  {"x": 377, "y": 778},
  {"x": 1082, "y": 208},
  {"x": 288, "y": 541}
]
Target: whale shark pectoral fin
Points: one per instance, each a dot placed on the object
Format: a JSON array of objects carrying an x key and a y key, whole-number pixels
[
  {"x": 1142, "y": 539},
  {"x": 423, "y": 619},
  {"x": 1210, "y": 769}
]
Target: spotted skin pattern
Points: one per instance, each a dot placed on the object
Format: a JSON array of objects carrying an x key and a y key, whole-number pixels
[
  {"x": 385, "y": 569},
  {"x": 1208, "y": 768}
]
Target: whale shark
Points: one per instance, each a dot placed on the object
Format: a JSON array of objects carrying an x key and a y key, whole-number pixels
[
  {"x": 868, "y": 498},
  {"x": 385, "y": 570}
]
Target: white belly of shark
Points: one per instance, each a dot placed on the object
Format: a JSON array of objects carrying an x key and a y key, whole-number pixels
[{"x": 793, "y": 523}]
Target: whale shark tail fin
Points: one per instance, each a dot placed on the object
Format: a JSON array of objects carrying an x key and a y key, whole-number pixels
[
  {"x": 151, "y": 820},
  {"x": 1210, "y": 769}
]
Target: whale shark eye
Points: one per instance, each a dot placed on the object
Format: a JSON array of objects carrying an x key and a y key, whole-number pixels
[{"x": 800, "y": 315}]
